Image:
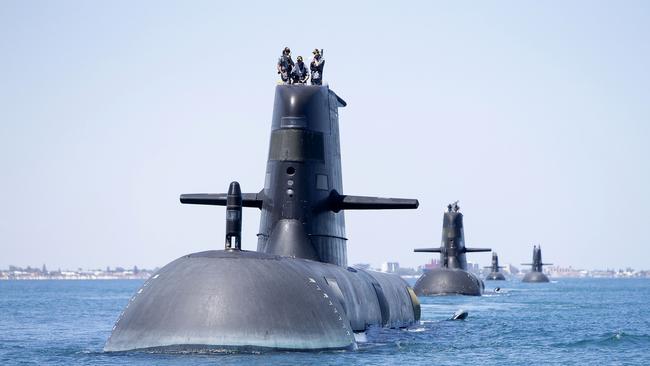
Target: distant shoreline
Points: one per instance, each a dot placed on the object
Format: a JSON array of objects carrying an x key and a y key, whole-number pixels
[
  {"x": 77, "y": 279},
  {"x": 117, "y": 278}
]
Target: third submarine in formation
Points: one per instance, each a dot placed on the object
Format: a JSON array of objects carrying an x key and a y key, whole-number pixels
[
  {"x": 536, "y": 274},
  {"x": 296, "y": 291},
  {"x": 452, "y": 277},
  {"x": 495, "y": 274}
]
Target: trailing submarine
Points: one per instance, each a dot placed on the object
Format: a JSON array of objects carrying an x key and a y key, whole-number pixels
[
  {"x": 495, "y": 275},
  {"x": 536, "y": 274},
  {"x": 296, "y": 291},
  {"x": 452, "y": 277}
]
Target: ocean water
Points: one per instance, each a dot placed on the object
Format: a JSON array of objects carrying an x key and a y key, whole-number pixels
[{"x": 568, "y": 322}]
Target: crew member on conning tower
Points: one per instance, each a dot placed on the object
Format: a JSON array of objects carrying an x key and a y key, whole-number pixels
[
  {"x": 299, "y": 74},
  {"x": 316, "y": 66},
  {"x": 285, "y": 65}
]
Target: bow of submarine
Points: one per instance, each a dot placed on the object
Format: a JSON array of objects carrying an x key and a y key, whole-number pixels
[
  {"x": 233, "y": 299},
  {"x": 445, "y": 281},
  {"x": 495, "y": 276},
  {"x": 249, "y": 299},
  {"x": 533, "y": 276}
]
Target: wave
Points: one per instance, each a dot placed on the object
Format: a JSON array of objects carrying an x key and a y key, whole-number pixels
[{"x": 608, "y": 339}]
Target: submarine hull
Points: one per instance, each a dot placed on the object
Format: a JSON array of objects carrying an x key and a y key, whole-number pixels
[
  {"x": 495, "y": 276},
  {"x": 241, "y": 299},
  {"x": 448, "y": 282},
  {"x": 535, "y": 277},
  {"x": 296, "y": 291}
]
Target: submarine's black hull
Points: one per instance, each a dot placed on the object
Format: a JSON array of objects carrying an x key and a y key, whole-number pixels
[
  {"x": 535, "y": 277},
  {"x": 495, "y": 276},
  {"x": 445, "y": 281},
  {"x": 256, "y": 300},
  {"x": 295, "y": 292}
]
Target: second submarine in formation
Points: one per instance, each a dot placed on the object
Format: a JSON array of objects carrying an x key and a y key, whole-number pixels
[
  {"x": 296, "y": 291},
  {"x": 452, "y": 277},
  {"x": 495, "y": 274},
  {"x": 536, "y": 274}
]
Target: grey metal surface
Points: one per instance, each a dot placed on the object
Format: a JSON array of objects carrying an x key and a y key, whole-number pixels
[
  {"x": 232, "y": 299},
  {"x": 535, "y": 277},
  {"x": 495, "y": 276},
  {"x": 445, "y": 281}
]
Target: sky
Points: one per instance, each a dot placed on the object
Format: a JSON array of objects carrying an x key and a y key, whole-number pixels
[{"x": 535, "y": 115}]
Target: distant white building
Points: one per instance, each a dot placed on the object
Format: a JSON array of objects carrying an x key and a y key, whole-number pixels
[
  {"x": 510, "y": 269},
  {"x": 390, "y": 267},
  {"x": 473, "y": 267}
]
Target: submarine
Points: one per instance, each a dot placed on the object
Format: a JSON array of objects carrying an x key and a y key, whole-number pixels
[
  {"x": 495, "y": 275},
  {"x": 296, "y": 290},
  {"x": 452, "y": 278},
  {"x": 536, "y": 274}
]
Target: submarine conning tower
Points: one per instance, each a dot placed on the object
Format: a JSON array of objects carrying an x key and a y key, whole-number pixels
[
  {"x": 302, "y": 207},
  {"x": 537, "y": 263},
  {"x": 453, "y": 239},
  {"x": 495, "y": 262},
  {"x": 537, "y": 259},
  {"x": 303, "y": 167},
  {"x": 302, "y": 199}
]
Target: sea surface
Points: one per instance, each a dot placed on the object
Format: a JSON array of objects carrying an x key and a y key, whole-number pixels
[{"x": 568, "y": 322}]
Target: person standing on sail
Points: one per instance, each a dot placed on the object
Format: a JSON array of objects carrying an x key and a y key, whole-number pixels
[
  {"x": 285, "y": 65},
  {"x": 299, "y": 74},
  {"x": 316, "y": 67}
]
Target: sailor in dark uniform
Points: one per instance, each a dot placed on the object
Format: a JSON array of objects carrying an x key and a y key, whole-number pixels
[
  {"x": 316, "y": 67},
  {"x": 299, "y": 74},
  {"x": 285, "y": 65}
]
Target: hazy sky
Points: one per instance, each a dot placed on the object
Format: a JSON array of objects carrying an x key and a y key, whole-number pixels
[{"x": 535, "y": 115}]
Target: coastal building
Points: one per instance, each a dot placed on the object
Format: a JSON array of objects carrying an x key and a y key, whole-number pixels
[{"x": 390, "y": 267}]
